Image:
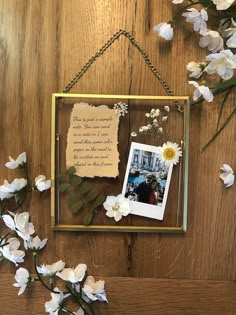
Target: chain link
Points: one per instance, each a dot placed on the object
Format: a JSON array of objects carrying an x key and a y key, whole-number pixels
[{"x": 142, "y": 52}]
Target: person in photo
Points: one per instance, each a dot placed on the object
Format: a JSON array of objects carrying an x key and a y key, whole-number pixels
[
  {"x": 154, "y": 194},
  {"x": 143, "y": 190}
]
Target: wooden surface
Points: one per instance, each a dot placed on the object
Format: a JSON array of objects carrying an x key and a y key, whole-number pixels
[{"x": 42, "y": 45}]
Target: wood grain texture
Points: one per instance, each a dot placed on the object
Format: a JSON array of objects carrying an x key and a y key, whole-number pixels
[
  {"x": 42, "y": 45},
  {"x": 138, "y": 296}
]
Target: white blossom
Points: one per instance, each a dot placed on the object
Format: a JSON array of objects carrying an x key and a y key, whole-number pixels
[
  {"x": 223, "y": 4},
  {"x": 117, "y": 207},
  {"x": 198, "y": 18},
  {"x": 51, "y": 270},
  {"x": 10, "y": 250},
  {"x": 227, "y": 175},
  {"x": 5, "y": 193},
  {"x": 231, "y": 33},
  {"x": 20, "y": 223},
  {"x": 56, "y": 303},
  {"x": 164, "y": 118},
  {"x": 22, "y": 278},
  {"x": 177, "y": 1},
  {"x": 195, "y": 68},
  {"x": 222, "y": 63},
  {"x": 94, "y": 290},
  {"x": 7, "y": 190},
  {"x": 19, "y": 162},
  {"x": 212, "y": 40},
  {"x": 165, "y": 30},
  {"x": 201, "y": 90},
  {"x": 35, "y": 243},
  {"x": 73, "y": 275},
  {"x": 41, "y": 183}
]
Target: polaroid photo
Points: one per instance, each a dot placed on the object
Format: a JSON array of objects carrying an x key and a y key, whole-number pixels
[{"x": 146, "y": 182}]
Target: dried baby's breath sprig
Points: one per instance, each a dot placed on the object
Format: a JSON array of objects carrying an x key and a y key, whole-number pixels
[
  {"x": 156, "y": 122},
  {"x": 121, "y": 108}
]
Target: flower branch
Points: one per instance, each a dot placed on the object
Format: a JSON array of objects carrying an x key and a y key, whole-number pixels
[{"x": 19, "y": 224}]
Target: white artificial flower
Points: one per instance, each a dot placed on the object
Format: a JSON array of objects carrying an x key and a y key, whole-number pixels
[
  {"x": 117, "y": 207},
  {"x": 7, "y": 190},
  {"x": 223, "y": 4},
  {"x": 231, "y": 33},
  {"x": 55, "y": 304},
  {"x": 231, "y": 42},
  {"x": 133, "y": 134},
  {"x": 73, "y": 275},
  {"x": 94, "y": 290},
  {"x": 222, "y": 63},
  {"x": 19, "y": 162},
  {"x": 165, "y": 30},
  {"x": 177, "y": 1},
  {"x": 51, "y": 270},
  {"x": 212, "y": 40},
  {"x": 35, "y": 243},
  {"x": 22, "y": 278},
  {"x": 198, "y": 18},
  {"x": 201, "y": 90},
  {"x": 164, "y": 118},
  {"x": 20, "y": 224},
  {"x": 5, "y": 193},
  {"x": 41, "y": 183},
  {"x": 10, "y": 250},
  {"x": 169, "y": 153},
  {"x": 227, "y": 175},
  {"x": 147, "y": 115},
  {"x": 167, "y": 108},
  {"x": 195, "y": 68}
]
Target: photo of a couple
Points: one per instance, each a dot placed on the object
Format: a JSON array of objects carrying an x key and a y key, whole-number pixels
[{"x": 146, "y": 181}]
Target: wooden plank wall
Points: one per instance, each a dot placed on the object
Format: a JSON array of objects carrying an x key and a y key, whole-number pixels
[{"x": 42, "y": 45}]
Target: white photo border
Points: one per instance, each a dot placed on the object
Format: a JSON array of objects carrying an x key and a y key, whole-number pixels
[{"x": 140, "y": 208}]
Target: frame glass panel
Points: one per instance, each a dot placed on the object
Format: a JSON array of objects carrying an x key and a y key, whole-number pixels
[{"x": 176, "y": 130}]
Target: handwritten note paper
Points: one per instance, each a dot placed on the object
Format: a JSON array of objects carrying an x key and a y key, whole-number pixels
[{"x": 92, "y": 141}]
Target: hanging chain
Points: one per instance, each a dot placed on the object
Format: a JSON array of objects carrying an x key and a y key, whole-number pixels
[{"x": 142, "y": 52}]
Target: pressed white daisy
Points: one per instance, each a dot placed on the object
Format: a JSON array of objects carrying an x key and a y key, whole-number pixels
[{"x": 170, "y": 153}]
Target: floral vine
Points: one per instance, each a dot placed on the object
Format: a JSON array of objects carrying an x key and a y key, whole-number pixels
[
  {"x": 219, "y": 40},
  {"x": 77, "y": 285}
]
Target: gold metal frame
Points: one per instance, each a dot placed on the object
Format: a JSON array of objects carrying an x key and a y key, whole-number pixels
[{"x": 62, "y": 227}]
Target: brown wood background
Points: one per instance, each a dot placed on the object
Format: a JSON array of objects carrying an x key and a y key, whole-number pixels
[{"x": 42, "y": 45}]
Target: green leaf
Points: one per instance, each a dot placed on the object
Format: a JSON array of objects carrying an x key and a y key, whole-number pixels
[
  {"x": 92, "y": 194},
  {"x": 88, "y": 218},
  {"x": 60, "y": 177},
  {"x": 85, "y": 188},
  {"x": 99, "y": 200},
  {"x": 64, "y": 187},
  {"x": 76, "y": 207},
  {"x": 219, "y": 130},
  {"x": 71, "y": 170},
  {"x": 71, "y": 200},
  {"x": 75, "y": 180},
  {"x": 226, "y": 84}
]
